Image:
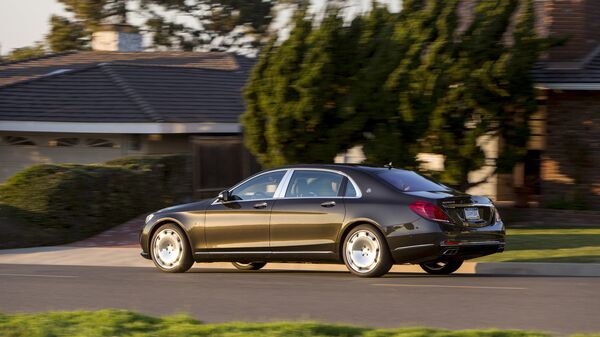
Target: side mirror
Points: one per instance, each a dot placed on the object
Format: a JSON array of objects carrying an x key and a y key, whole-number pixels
[{"x": 224, "y": 196}]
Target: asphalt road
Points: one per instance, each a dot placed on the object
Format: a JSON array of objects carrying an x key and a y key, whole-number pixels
[{"x": 556, "y": 304}]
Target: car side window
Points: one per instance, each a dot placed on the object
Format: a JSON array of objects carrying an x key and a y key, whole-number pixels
[
  {"x": 261, "y": 187},
  {"x": 313, "y": 184}
]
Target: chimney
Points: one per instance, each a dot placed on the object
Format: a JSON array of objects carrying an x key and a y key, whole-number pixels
[{"x": 117, "y": 37}]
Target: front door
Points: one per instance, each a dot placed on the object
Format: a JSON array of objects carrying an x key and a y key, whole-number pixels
[
  {"x": 240, "y": 227},
  {"x": 306, "y": 221}
]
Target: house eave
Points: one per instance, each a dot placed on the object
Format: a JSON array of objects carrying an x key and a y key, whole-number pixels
[
  {"x": 119, "y": 128},
  {"x": 568, "y": 86}
]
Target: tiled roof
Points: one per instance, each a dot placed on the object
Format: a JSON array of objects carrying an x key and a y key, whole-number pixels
[
  {"x": 125, "y": 87},
  {"x": 562, "y": 72}
]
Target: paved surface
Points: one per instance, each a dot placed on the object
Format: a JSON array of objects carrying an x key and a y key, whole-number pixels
[
  {"x": 558, "y": 304},
  {"x": 120, "y": 256},
  {"x": 124, "y": 235}
]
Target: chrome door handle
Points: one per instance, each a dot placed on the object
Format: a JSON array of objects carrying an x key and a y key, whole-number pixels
[
  {"x": 260, "y": 205},
  {"x": 328, "y": 204}
]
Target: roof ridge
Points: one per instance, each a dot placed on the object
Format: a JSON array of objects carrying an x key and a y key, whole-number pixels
[
  {"x": 50, "y": 74},
  {"x": 121, "y": 63},
  {"x": 131, "y": 93},
  {"x": 35, "y": 58}
]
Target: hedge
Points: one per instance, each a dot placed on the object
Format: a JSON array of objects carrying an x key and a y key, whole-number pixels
[{"x": 86, "y": 199}]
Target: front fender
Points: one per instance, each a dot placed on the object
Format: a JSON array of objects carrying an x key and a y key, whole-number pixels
[{"x": 158, "y": 220}]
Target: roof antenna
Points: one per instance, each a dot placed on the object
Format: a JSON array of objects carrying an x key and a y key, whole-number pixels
[{"x": 388, "y": 166}]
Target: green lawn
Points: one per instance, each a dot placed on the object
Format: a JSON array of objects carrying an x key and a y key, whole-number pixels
[
  {"x": 109, "y": 323},
  {"x": 550, "y": 245}
]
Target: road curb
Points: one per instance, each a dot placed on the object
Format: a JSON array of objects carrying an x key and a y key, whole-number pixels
[
  {"x": 538, "y": 269},
  {"x": 129, "y": 257}
]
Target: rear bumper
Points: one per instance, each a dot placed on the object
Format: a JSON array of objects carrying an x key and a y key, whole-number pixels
[{"x": 463, "y": 250}]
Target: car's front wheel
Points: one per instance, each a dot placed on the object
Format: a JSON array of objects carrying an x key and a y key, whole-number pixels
[
  {"x": 366, "y": 252},
  {"x": 442, "y": 267},
  {"x": 248, "y": 266},
  {"x": 170, "y": 249}
]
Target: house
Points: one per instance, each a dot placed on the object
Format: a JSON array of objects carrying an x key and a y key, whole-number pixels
[
  {"x": 565, "y": 158},
  {"x": 93, "y": 106}
]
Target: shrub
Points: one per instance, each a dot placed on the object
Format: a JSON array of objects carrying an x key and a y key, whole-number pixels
[{"x": 86, "y": 199}]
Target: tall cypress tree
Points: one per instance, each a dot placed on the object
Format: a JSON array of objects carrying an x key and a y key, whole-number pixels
[
  {"x": 516, "y": 92},
  {"x": 272, "y": 95},
  {"x": 467, "y": 111},
  {"x": 398, "y": 84}
]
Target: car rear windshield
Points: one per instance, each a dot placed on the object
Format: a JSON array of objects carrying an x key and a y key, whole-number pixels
[{"x": 408, "y": 181}]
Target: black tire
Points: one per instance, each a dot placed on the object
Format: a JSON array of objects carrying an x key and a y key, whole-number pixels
[
  {"x": 184, "y": 260},
  {"x": 442, "y": 267},
  {"x": 249, "y": 266},
  {"x": 382, "y": 260}
]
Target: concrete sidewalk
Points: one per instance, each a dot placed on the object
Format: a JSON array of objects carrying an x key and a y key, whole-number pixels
[{"x": 130, "y": 257}]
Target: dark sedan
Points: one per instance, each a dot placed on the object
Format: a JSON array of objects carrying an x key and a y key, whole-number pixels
[{"x": 366, "y": 217}]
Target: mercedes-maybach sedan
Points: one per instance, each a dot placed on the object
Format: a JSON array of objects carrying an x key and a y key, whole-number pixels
[{"x": 366, "y": 217}]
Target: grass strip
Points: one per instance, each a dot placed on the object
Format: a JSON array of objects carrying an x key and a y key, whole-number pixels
[
  {"x": 550, "y": 245},
  {"x": 112, "y": 323}
]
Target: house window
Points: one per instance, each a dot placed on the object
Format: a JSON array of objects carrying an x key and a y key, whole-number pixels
[
  {"x": 99, "y": 142},
  {"x": 17, "y": 140},
  {"x": 135, "y": 142},
  {"x": 64, "y": 142}
]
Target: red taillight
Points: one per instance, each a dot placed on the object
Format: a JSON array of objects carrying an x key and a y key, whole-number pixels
[{"x": 428, "y": 211}]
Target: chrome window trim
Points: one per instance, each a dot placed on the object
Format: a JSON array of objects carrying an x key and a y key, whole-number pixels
[
  {"x": 280, "y": 192},
  {"x": 283, "y": 185},
  {"x": 287, "y": 182}
]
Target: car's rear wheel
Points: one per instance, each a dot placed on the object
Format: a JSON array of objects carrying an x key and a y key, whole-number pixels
[
  {"x": 366, "y": 252},
  {"x": 442, "y": 267},
  {"x": 170, "y": 249},
  {"x": 248, "y": 266}
]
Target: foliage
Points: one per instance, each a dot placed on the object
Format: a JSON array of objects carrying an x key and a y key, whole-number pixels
[
  {"x": 66, "y": 35},
  {"x": 85, "y": 199},
  {"x": 24, "y": 53},
  {"x": 399, "y": 84},
  {"x": 125, "y": 323},
  {"x": 297, "y": 90},
  {"x": 213, "y": 19}
]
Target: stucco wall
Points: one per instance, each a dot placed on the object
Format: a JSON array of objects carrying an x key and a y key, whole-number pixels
[{"x": 14, "y": 158}]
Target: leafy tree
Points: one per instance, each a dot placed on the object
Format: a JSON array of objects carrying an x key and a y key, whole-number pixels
[
  {"x": 516, "y": 92},
  {"x": 271, "y": 95},
  {"x": 468, "y": 109},
  {"x": 19, "y": 54},
  {"x": 413, "y": 84},
  {"x": 402, "y": 117},
  {"x": 66, "y": 35},
  {"x": 218, "y": 19}
]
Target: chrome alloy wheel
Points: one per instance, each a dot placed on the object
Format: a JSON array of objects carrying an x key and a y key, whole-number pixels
[
  {"x": 168, "y": 248},
  {"x": 363, "y": 251}
]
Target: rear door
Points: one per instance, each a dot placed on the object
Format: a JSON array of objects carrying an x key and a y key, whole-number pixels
[{"x": 305, "y": 222}]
